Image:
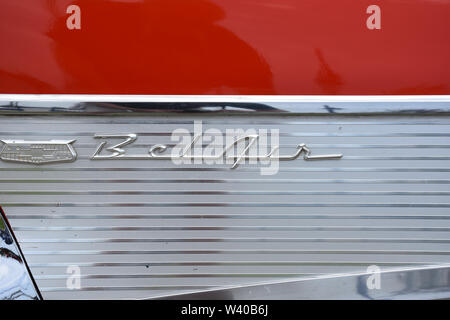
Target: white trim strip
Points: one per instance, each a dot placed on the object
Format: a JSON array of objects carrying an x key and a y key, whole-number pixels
[{"x": 223, "y": 98}]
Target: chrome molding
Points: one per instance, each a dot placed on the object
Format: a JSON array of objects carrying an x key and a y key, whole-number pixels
[
  {"x": 147, "y": 229},
  {"x": 98, "y": 104}
]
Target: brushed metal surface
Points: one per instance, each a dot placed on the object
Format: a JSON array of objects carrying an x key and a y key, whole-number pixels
[
  {"x": 418, "y": 283},
  {"x": 140, "y": 229}
]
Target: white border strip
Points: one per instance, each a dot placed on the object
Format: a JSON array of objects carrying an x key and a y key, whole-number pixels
[{"x": 221, "y": 98}]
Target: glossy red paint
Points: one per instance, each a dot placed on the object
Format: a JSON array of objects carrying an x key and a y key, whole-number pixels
[{"x": 225, "y": 47}]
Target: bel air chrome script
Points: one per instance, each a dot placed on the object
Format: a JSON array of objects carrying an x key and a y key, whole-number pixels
[
  {"x": 184, "y": 152},
  {"x": 233, "y": 147},
  {"x": 38, "y": 152},
  {"x": 237, "y": 149}
]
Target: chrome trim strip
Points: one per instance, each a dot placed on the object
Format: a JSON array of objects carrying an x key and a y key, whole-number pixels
[
  {"x": 226, "y": 192},
  {"x": 174, "y": 275},
  {"x": 150, "y": 240},
  {"x": 251, "y": 181},
  {"x": 236, "y": 251},
  {"x": 236, "y": 228},
  {"x": 246, "y": 216},
  {"x": 227, "y": 263},
  {"x": 190, "y": 169},
  {"x": 232, "y": 204},
  {"x": 95, "y": 104},
  {"x": 246, "y": 121},
  {"x": 328, "y": 146},
  {"x": 285, "y": 158},
  {"x": 132, "y": 288},
  {"x": 282, "y": 134}
]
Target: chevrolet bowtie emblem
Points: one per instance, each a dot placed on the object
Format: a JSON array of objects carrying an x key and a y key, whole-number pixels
[{"x": 38, "y": 152}]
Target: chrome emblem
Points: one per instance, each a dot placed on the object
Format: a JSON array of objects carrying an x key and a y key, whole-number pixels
[
  {"x": 38, "y": 152},
  {"x": 157, "y": 152},
  {"x": 54, "y": 151}
]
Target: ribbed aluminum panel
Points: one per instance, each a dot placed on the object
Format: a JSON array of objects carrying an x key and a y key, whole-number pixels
[{"x": 140, "y": 228}]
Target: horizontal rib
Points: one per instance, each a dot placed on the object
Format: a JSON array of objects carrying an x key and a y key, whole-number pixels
[
  {"x": 228, "y": 205},
  {"x": 226, "y": 263},
  {"x": 174, "y": 275},
  {"x": 224, "y": 192},
  {"x": 80, "y": 145},
  {"x": 233, "y": 228},
  {"x": 249, "y": 181},
  {"x": 254, "y": 239},
  {"x": 247, "y": 121},
  {"x": 224, "y": 216},
  {"x": 224, "y": 169},
  {"x": 132, "y": 288},
  {"x": 281, "y": 134},
  {"x": 233, "y": 251}
]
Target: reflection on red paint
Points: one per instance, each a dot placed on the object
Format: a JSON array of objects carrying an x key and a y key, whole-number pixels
[
  {"x": 224, "y": 47},
  {"x": 327, "y": 79}
]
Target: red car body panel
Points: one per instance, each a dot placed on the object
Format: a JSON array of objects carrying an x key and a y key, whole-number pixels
[{"x": 281, "y": 47}]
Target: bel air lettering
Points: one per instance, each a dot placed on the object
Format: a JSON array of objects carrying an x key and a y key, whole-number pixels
[
  {"x": 239, "y": 150},
  {"x": 227, "y": 153}
]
